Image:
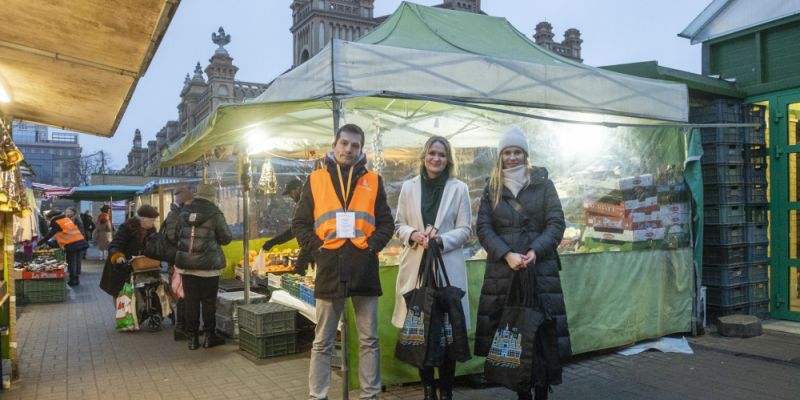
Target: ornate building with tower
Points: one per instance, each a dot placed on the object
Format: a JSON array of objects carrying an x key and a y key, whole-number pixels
[
  {"x": 202, "y": 92},
  {"x": 570, "y": 47}
]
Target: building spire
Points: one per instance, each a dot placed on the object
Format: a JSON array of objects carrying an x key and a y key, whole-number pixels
[{"x": 220, "y": 38}]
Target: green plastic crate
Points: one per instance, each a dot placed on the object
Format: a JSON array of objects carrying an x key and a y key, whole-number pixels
[
  {"x": 44, "y": 290},
  {"x": 268, "y": 346},
  {"x": 267, "y": 318}
]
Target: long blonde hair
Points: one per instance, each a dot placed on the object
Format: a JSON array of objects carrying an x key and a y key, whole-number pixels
[
  {"x": 496, "y": 179},
  {"x": 451, "y": 170}
]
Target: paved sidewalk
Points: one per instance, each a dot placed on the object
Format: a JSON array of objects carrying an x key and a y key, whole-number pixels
[{"x": 71, "y": 351}]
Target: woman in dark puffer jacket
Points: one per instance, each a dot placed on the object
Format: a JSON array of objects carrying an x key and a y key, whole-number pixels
[
  {"x": 520, "y": 224},
  {"x": 129, "y": 241}
]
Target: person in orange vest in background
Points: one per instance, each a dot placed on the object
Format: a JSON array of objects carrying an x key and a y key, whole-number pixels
[
  {"x": 343, "y": 218},
  {"x": 70, "y": 239}
]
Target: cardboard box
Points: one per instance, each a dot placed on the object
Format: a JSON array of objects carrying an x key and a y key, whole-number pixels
[
  {"x": 634, "y": 181},
  {"x": 607, "y": 209},
  {"x": 641, "y": 203},
  {"x": 631, "y": 220},
  {"x": 626, "y": 235},
  {"x": 675, "y": 208},
  {"x": 675, "y": 218}
]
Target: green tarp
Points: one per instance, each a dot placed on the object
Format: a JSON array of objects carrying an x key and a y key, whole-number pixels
[
  {"x": 640, "y": 295},
  {"x": 104, "y": 193}
]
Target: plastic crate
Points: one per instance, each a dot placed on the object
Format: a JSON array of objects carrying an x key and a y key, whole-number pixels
[
  {"x": 725, "y": 275},
  {"x": 723, "y": 153},
  {"x": 756, "y": 213},
  {"x": 758, "y": 292},
  {"x": 755, "y": 193},
  {"x": 714, "y": 312},
  {"x": 266, "y": 318},
  {"x": 757, "y": 272},
  {"x": 720, "y": 135},
  {"x": 722, "y": 255},
  {"x": 274, "y": 281},
  {"x": 723, "y": 174},
  {"x": 724, "y": 194},
  {"x": 755, "y": 114},
  {"x": 727, "y": 296},
  {"x": 754, "y": 174},
  {"x": 723, "y": 235},
  {"x": 754, "y": 136},
  {"x": 307, "y": 295},
  {"x": 267, "y": 346},
  {"x": 228, "y": 302},
  {"x": 227, "y": 326},
  {"x": 757, "y": 252},
  {"x": 231, "y": 285},
  {"x": 44, "y": 290},
  {"x": 756, "y": 232},
  {"x": 724, "y": 214},
  {"x": 719, "y": 111},
  {"x": 760, "y": 309}
]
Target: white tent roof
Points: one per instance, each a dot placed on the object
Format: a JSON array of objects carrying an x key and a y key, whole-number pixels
[
  {"x": 347, "y": 68},
  {"x": 724, "y": 17}
]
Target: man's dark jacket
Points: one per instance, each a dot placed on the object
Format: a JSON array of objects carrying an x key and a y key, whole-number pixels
[
  {"x": 348, "y": 270},
  {"x": 202, "y": 231},
  {"x": 130, "y": 240},
  {"x": 502, "y": 230}
]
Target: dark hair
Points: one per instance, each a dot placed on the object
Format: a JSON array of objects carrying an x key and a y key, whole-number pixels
[
  {"x": 350, "y": 128},
  {"x": 105, "y": 208}
]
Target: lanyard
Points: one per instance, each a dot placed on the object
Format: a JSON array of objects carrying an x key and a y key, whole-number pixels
[{"x": 345, "y": 192}]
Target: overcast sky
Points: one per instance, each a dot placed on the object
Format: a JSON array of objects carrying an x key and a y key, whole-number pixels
[{"x": 613, "y": 32}]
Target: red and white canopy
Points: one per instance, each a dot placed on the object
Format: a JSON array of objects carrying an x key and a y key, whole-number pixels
[{"x": 51, "y": 190}]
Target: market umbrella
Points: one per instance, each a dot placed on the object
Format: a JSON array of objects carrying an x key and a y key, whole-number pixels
[{"x": 104, "y": 192}]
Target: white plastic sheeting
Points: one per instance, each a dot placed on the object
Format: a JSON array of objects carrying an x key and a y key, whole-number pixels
[{"x": 352, "y": 69}]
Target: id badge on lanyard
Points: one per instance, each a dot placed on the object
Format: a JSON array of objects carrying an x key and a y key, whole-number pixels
[{"x": 345, "y": 220}]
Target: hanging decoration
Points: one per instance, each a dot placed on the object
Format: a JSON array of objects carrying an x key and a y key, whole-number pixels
[
  {"x": 268, "y": 182},
  {"x": 378, "y": 162}
]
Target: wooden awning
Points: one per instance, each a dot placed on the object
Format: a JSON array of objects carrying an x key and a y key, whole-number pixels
[{"x": 75, "y": 64}]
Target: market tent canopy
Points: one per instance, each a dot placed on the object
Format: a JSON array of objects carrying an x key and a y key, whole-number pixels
[
  {"x": 725, "y": 17},
  {"x": 410, "y": 84},
  {"x": 104, "y": 193},
  {"x": 75, "y": 64}
]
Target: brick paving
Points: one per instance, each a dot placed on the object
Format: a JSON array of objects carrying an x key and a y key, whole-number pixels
[{"x": 72, "y": 351}]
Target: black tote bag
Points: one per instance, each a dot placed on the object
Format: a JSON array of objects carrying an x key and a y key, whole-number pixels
[
  {"x": 412, "y": 345},
  {"x": 453, "y": 319},
  {"x": 510, "y": 361}
]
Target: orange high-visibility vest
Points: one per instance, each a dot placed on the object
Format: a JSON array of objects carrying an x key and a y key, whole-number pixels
[
  {"x": 69, "y": 232},
  {"x": 327, "y": 204}
]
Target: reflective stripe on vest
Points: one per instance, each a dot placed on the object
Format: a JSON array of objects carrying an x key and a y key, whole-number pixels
[
  {"x": 69, "y": 232},
  {"x": 327, "y": 204}
]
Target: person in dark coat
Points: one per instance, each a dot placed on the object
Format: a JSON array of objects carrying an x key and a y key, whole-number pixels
[
  {"x": 78, "y": 221},
  {"x": 69, "y": 238},
  {"x": 88, "y": 224},
  {"x": 202, "y": 231},
  {"x": 526, "y": 240},
  {"x": 129, "y": 242},
  {"x": 171, "y": 229},
  {"x": 293, "y": 190},
  {"x": 344, "y": 218}
]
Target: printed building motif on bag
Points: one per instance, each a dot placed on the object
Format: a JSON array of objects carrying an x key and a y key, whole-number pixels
[
  {"x": 447, "y": 330},
  {"x": 413, "y": 333},
  {"x": 506, "y": 349}
]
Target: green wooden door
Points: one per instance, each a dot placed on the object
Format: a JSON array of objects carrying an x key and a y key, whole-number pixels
[{"x": 785, "y": 206}]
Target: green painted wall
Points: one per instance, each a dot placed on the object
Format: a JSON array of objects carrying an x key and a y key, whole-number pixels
[{"x": 762, "y": 60}]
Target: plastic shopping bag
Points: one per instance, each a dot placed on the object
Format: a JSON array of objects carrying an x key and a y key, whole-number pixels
[
  {"x": 260, "y": 263},
  {"x": 176, "y": 284},
  {"x": 126, "y": 310}
]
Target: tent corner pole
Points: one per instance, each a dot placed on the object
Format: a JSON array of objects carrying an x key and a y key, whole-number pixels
[{"x": 245, "y": 181}]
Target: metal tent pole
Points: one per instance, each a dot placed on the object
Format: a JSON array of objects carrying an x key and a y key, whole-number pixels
[
  {"x": 337, "y": 114},
  {"x": 245, "y": 181}
]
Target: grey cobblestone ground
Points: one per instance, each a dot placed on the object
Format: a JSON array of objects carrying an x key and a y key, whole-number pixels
[{"x": 71, "y": 351}]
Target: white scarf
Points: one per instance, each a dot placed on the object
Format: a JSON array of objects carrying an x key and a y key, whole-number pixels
[{"x": 515, "y": 178}]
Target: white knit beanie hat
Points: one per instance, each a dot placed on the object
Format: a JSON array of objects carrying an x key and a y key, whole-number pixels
[{"x": 513, "y": 138}]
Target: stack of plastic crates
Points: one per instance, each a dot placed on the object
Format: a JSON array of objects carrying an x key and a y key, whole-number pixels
[
  {"x": 735, "y": 193},
  {"x": 227, "y": 310},
  {"x": 267, "y": 330}
]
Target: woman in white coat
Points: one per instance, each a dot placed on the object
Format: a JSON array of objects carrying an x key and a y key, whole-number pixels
[{"x": 433, "y": 198}]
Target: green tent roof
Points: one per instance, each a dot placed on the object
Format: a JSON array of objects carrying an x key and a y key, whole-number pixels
[
  {"x": 104, "y": 192},
  {"x": 414, "y": 26}
]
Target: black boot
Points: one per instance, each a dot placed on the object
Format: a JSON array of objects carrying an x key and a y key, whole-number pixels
[
  {"x": 446, "y": 394},
  {"x": 524, "y": 396},
  {"x": 430, "y": 392},
  {"x": 212, "y": 339},
  {"x": 194, "y": 342},
  {"x": 540, "y": 392}
]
